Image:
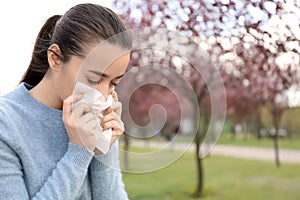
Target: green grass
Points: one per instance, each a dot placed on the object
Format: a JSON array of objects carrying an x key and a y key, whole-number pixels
[
  {"x": 225, "y": 179},
  {"x": 250, "y": 140}
]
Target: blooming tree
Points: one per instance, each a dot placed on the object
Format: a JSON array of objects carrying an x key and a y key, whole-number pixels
[{"x": 255, "y": 45}]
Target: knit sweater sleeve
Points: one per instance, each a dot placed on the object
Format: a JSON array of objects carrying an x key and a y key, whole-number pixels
[
  {"x": 26, "y": 142},
  {"x": 64, "y": 182},
  {"x": 106, "y": 177}
]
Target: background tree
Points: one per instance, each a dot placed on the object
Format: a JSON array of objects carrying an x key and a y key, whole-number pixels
[{"x": 255, "y": 43}]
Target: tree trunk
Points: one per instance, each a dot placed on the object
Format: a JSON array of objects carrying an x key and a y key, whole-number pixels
[
  {"x": 277, "y": 113},
  {"x": 199, "y": 188},
  {"x": 126, "y": 149},
  {"x": 233, "y": 133},
  {"x": 245, "y": 130},
  {"x": 200, "y": 173},
  {"x": 259, "y": 125},
  {"x": 276, "y": 148}
]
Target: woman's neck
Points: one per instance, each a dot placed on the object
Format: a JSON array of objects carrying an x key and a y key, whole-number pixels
[{"x": 46, "y": 93}]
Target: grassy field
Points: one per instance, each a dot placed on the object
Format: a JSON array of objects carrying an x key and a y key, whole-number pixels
[
  {"x": 251, "y": 140},
  {"x": 225, "y": 179}
]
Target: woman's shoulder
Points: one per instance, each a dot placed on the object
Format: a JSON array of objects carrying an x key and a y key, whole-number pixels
[
  {"x": 7, "y": 126},
  {"x": 6, "y": 107},
  {"x": 9, "y": 104},
  {"x": 10, "y": 114}
]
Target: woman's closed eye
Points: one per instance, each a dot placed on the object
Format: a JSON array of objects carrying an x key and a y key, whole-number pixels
[
  {"x": 114, "y": 84},
  {"x": 96, "y": 82},
  {"x": 93, "y": 82}
]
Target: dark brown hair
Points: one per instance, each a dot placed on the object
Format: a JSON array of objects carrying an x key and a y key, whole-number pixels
[{"x": 80, "y": 26}]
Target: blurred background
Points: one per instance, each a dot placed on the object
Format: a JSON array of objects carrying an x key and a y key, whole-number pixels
[{"x": 254, "y": 45}]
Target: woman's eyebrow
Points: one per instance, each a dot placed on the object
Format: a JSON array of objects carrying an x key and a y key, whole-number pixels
[{"x": 98, "y": 73}]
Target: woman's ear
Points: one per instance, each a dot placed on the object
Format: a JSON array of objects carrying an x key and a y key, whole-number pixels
[{"x": 54, "y": 57}]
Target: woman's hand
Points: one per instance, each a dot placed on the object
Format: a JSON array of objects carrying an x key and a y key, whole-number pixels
[
  {"x": 80, "y": 123},
  {"x": 112, "y": 119}
]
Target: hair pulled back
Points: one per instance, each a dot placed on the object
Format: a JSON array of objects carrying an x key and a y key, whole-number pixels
[{"x": 80, "y": 26}]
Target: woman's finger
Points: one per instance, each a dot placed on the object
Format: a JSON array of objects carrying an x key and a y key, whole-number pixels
[
  {"x": 117, "y": 117},
  {"x": 111, "y": 125},
  {"x": 113, "y": 139},
  {"x": 107, "y": 118},
  {"x": 86, "y": 118},
  {"x": 107, "y": 111},
  {"x": 117, "y": 107},
  {"x": 93, "y": 124},
  {"x": 68, "y": 102},
  {"x": 115, "y": 96},
  {"x": 80, "y": 110}
]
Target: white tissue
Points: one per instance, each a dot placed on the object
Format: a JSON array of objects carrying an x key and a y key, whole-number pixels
[{"x": 98, "y": 104}]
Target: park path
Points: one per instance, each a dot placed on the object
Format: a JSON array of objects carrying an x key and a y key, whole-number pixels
[
  {"x": 257, "y": 153},
  {"x": 243, "y": 152}
]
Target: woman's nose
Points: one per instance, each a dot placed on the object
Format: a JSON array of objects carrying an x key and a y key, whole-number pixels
[{"x": 105, "y": 89}]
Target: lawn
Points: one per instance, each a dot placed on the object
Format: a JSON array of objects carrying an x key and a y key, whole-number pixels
[
  {"x": 225, "y": 179},
  {"x": 250, "y": 140}
]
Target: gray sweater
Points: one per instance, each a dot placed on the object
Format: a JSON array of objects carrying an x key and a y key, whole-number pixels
[{"x": 37, "y": 161}]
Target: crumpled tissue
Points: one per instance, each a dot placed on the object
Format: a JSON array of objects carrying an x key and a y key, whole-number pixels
[{"x": 98, "y": 104}]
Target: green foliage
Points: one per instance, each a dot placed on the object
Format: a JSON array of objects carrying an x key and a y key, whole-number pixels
[
  {"x": 290, "y": 121},
  {"x": 266, "y": 116},
  {"x": 226, "y": 179},
  {"x": 228, "y": 127}
]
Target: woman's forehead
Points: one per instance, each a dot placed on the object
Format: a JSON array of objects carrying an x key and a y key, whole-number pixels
[
  {"x": 110, "y": 64},
  {"x": 106, "y": 54}
]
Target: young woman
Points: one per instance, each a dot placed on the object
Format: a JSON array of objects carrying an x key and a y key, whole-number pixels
[{"x": 47, "y": 146}]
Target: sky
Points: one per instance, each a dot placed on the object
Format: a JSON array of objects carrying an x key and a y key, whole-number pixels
[{"x": 20, "y": 23}]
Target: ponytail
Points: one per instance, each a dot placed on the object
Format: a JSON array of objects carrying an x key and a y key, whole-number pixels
[{"x": 39, "y": 62}]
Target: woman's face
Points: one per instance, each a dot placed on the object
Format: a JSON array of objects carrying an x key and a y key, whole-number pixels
[{"x": 102, "y": 69}]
